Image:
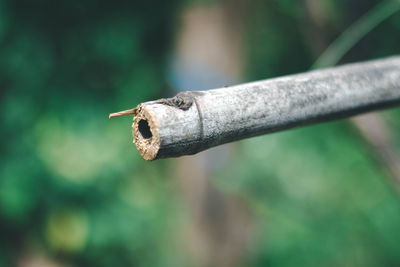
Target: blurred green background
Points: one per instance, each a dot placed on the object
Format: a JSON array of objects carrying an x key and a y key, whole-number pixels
[{"x": 75, "y": 192}]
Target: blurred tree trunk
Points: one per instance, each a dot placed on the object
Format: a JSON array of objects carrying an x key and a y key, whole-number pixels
[{"x": 209, "y": 54}]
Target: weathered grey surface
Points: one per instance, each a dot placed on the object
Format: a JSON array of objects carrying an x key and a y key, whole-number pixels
[{"x": 194, "y": 121}]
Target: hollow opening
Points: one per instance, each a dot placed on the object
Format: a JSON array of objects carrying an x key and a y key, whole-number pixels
[{"x": 144, "y": 129}]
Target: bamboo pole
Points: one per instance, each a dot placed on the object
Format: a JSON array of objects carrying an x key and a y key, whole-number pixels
[{"x": 194, "y": 121}]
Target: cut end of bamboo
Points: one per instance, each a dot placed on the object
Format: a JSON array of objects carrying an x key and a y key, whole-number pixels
[{"x": 145, "y": 133}]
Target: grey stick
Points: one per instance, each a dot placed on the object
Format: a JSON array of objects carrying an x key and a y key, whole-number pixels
[{"x": 194, "y": 121}]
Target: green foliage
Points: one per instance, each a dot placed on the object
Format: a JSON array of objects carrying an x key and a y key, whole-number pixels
[
  {"x": 73, "y": 188},
  {"x": 319, "y": 197},
  {"x": 71, "y": 184}
]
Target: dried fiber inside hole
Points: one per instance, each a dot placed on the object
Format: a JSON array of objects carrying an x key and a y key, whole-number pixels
[{"x": 144, "y": 129}]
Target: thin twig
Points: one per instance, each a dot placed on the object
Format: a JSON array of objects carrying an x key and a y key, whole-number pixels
[{"x": 353, "y": 34}]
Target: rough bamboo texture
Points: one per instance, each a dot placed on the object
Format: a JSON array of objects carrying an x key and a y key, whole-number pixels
[{"x": 194, "y": 121}]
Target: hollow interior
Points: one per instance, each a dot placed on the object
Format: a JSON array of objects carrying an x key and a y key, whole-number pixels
[{"x": 144, "y": 129}]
